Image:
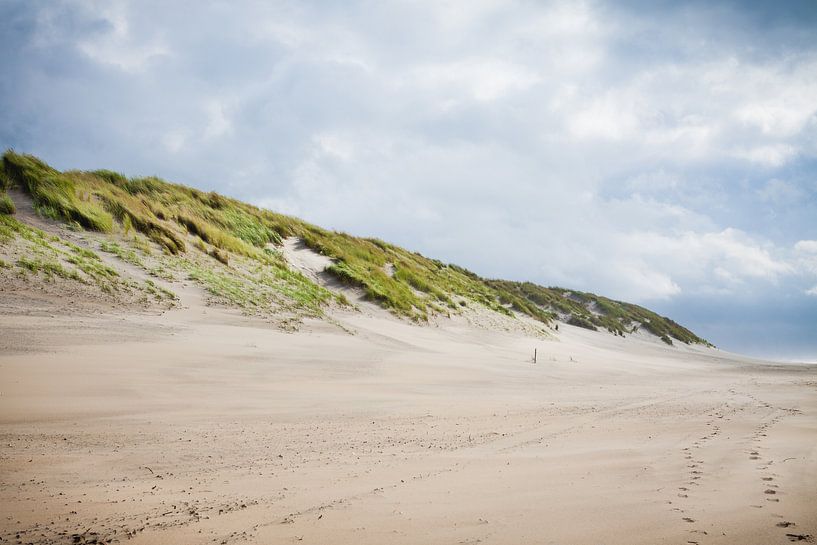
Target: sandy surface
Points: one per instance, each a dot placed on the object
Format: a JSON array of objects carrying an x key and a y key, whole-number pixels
[{"x": 200, "y": 426}]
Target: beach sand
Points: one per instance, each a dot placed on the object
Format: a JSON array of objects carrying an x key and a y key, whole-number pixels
[{"x": 197, "y": 425}]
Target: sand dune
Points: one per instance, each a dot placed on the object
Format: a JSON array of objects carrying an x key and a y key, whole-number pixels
[{"x": 201, "y": 426}]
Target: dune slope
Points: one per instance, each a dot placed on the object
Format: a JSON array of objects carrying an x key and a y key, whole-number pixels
[{"x": 235, "y": 251}]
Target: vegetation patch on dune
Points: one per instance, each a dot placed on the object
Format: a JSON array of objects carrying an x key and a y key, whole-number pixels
[
  {"x": 48, "y": 267},
  {"x": 49, "y": 257},
  {"x": 259, "y": 288},
  {"x": 594, "y": 312},
  {"x": 6, "y": 204},
  {"x": 125, "y": 254}
]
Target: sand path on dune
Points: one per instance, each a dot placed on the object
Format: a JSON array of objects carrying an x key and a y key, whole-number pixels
[{"x": 199, "y": 426}]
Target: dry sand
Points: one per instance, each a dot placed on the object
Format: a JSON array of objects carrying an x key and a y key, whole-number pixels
[{"x": 200, "y": 426}]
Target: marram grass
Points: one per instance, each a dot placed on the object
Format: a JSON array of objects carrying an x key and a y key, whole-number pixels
[{"x": 179, "y": 219}]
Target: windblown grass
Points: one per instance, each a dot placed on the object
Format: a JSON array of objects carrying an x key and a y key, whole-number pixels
[
  {"x": 418, "y": 285},
  {"x": 55, "y": 194},
  {"x": 11, "y": 228},
  {"x": 125, "y": 254},
  {"x": 159, "y": 292},
  {"x": 6, "y": 204},
  {"x": 592, "y": 311},
  {"x": 244, "y": 272},
  {"x": 49, "y": 268}
]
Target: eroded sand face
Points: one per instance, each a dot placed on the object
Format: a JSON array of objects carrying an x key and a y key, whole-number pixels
[{"x": 198, "y": 426}]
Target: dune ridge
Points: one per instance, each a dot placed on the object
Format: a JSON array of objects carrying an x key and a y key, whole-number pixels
[{"x": 236, "y": 252}]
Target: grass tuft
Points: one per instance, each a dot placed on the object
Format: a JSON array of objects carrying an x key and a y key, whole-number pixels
[
  {"x": 6, "y": 205},
  {"x": 219, "y": 255},
  {"x": 49, "y": 268},
  {"x": 125, "y": 254}
]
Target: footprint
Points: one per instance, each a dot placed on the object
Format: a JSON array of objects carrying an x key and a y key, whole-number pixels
[
  {"x": 770, "y": 491},
  {"x": 768, "y": 478},
  {"x": 687, "y": 519},
  {"x": 800, "y": 537},
  {"x": 784, "y": 524}
]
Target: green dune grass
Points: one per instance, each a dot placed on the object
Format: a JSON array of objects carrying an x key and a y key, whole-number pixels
[{"x": 247, "y": 269}]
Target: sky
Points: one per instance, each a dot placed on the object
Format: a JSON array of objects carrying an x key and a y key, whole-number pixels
[{"x": 656, "y": 152}]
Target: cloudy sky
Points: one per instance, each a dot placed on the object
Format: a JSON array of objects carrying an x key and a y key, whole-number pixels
[{"x": 651, "y": 152}]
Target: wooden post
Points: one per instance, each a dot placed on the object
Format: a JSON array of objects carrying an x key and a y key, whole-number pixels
[{"x": 534, "y": 355}]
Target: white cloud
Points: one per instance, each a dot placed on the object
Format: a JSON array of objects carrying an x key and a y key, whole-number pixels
[
  {"x": 806, "y": 246},
  {"x": 779, "y": 191},
  {"x": 700, "y": 111},
  {"x": 747, "y": 257},
  {"x": 717, "y": 262},
  {"x": 659, "y": 180},
  {"x": 605, "y": 117},
  {"x": 335, "y": 145},
  {"x": 776, "y": 108},
  {"x": 651, "y": 284},
  {"x": 806, "y": 257},
  {"x": 479, "y": 79},
  {"x": 174, "y": 141},
  {"x": 218, "y": 123},
  {"x": 460, "y": 15},
  {"x": 773, "y": 155},
  {"x": 119, "y": 47}
]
